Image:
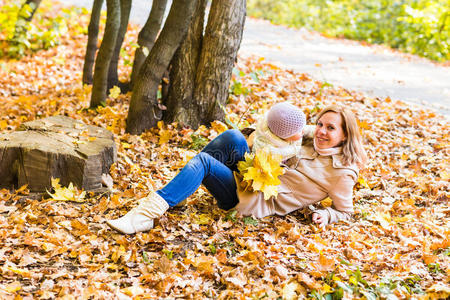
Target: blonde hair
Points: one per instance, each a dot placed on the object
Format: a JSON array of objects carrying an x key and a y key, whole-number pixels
[{"x": 352, "y": 148}]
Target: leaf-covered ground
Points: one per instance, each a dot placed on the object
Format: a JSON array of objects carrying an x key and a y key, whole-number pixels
[{"x": 396, "y": 246}]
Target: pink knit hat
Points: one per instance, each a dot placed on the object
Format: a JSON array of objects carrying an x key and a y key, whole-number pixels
[{"x": 285, "y": 120}]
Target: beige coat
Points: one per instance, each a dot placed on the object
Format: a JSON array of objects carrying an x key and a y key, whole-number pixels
[{"x": 309, "y": 178}]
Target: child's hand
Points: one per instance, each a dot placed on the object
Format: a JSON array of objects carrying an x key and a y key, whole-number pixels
[{"x": 251, "y": 139}]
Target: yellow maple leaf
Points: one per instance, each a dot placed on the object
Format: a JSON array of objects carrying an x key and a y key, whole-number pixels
[
  {"x": 69, "y": 193},
  {"x": 327, "y": 202},
  {"x": 125, "y": 145},
  {"x": 326, "y": 288},
  {"x": 261, "y": 170},
  {"x": 269, "y": 191},
  {"x": 363, "y": 182},
  {"x": 3, "y": 124},
  {"x": 203, "y": 219},
  {"x": 246, "y": 163},
  {"x": 219, "y": 126},
  {"x": 55, "y": 183},
  {"x": 363, "y": 125},
  {"x": 22, "y": 272},
  {"x": 114, "y": 92},
  {"x": 164, "y": 134},
  {"x": 13, "y": 287},
  {"x": 444, "y": 175}
]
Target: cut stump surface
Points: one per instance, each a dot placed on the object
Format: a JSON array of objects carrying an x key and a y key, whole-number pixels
[{"x": 58, "y": 147}]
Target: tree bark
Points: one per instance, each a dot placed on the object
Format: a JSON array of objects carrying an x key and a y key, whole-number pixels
[
  {"x": 20, "y": 27},
  {"x": 54, "y": 147},
  {"x": 125, "y": 8},
  {"x": 179, "y": 102},
  {"x": 221, "y": 43},
  {"x": 144, "y": 107},
  {"x": 165, "y": 84},
  {"x": 147, "y": 36},
  {"x": 105, "y": 53},
  {"x": 34, "y": 4},
  {"x": 91, "y": 48}
]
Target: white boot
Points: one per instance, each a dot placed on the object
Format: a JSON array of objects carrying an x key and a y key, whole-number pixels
[{"x": 141, "y": 217}]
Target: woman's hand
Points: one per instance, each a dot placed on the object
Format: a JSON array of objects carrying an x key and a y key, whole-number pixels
[{"x": 320, "y": 219}]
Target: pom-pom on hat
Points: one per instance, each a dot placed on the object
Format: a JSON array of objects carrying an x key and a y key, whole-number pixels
[{"x": 285, "y": 120}]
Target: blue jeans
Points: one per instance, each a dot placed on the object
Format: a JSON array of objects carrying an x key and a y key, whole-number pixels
[{"x": 213, "y": 167}]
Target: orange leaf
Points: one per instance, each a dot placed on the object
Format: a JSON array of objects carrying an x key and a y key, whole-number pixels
[
  {"x": 326, "y": 264},
  {"x": 204, "y": 264},
  {"x": 429, "y": 258}
]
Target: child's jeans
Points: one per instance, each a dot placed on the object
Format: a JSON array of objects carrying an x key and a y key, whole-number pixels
[{"x": 213, "y": 167}]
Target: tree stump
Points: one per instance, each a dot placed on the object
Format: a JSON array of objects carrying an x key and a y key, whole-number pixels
[{"x": 58, "y": 147}]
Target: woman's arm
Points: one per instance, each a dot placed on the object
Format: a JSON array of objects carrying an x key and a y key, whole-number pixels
[{"x": 342, "y": 207}]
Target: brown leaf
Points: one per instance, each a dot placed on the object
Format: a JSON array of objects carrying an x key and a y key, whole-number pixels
[{"x": 163, "y": 265}]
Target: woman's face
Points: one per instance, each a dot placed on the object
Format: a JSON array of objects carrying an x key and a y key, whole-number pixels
[{"x": 329, "y": 132}]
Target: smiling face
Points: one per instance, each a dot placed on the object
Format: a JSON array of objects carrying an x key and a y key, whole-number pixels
[{"x": 329, "y": 132}]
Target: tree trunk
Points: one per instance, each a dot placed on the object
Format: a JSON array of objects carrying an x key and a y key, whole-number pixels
[
  {"x": 113, "y": 77},
  {"x": 105, "y": 53},
  {"x": 34, "y": 4},
  {"x": 144, "y": 107},
  {"x": 179, "y": 102},
  {"x": 91, "y": 48},
  {"x": 20, "y": 27},
  {"x": 147, "y": 36},
  {"x": 221, "y": 43},
  {"x": 165, "y": 84}
]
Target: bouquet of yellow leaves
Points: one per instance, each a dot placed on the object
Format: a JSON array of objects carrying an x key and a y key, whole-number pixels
[{"x": 260, "y": 171}]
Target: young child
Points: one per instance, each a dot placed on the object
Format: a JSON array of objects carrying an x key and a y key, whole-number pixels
[{"x": 280, "y": 131}]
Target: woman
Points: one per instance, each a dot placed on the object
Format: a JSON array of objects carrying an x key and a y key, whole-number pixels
[{"x": 327, "y": 167}]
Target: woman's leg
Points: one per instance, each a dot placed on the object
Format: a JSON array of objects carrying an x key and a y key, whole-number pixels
[
  {"x": 203, "y": 168},
  {"x": 228, "y": 148},
  {"x": 215, "y": 173},
  {"x": 214, "y": 168}
]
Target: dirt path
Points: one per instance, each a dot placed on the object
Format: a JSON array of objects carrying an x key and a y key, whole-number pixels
[{"x": 375, "y": 70}]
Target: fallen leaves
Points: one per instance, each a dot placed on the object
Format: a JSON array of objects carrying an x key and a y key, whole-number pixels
[
  {"x": 438, "y": 291},
  {"x": 13, "y": 287},
  {"x": 114, "y": 92},
  {"x": 396, "y": 246}
]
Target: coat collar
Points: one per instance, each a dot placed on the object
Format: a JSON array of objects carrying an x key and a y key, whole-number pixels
[{"x": 308, "y": 152}]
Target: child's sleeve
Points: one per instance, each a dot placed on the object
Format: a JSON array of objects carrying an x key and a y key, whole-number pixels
[
  {"x": 286, "y": 152},
  {"x": 308, "y": 131}
]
